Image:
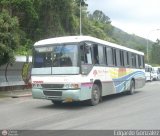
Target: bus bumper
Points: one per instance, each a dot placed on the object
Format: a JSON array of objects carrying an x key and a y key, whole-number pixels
[{"x": 58, "y": 95}]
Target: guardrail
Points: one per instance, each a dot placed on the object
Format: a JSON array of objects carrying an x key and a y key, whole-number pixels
[{"x": 16, "y": 74}]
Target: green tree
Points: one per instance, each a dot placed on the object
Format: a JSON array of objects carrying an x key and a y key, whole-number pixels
[
  {"x": 27, "y": 17},
  {"x": 9, "y": 37},
  {"x": 155, "y": 53},
  {"x": 100, "y": 17}
]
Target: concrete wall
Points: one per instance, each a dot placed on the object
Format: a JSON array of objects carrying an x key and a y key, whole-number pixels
[{"x": 11, "y": 74}]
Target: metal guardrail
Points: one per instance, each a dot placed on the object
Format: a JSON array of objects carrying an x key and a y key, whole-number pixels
[{"x": 16, "y": 74}]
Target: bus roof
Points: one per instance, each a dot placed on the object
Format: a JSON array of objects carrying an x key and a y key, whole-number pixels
[
  {"x": 72, "y": 39},
  {"x": 148, "y": 65}
]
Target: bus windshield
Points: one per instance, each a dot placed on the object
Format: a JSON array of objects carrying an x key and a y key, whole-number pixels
[{"x": 56, "y": 59}]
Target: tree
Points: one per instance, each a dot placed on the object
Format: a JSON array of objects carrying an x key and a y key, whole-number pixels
[
  {"x": 9, "y": 37},
  {"x": 100, "y": 17},
  {"x": 155, "y": 52},
  {"x": 102, "y": 25}
]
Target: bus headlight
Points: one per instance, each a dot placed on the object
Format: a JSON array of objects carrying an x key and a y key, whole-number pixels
[
  {"x": 36, "y": 86},
  {"x": 71, "y": 86}
]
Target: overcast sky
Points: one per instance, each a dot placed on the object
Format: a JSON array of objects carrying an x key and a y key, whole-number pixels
[{"x": 140, "y": 17}]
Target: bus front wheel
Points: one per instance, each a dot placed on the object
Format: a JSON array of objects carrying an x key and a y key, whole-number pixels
[
  {"x": 95, "y": 95},
  {"x": 56, "y": 102}
]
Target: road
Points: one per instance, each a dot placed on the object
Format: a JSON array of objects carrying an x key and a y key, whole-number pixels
[{"x": 138, "y": 111}]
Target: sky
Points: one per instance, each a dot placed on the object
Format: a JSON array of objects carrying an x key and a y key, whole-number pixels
[{"x": 139, "y": 17}]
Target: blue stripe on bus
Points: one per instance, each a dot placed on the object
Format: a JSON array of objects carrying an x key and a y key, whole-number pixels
[{"x": 124, "y": 81}]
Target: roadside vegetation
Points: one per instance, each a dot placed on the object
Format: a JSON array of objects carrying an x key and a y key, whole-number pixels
[{"x": 22, "y": 22}]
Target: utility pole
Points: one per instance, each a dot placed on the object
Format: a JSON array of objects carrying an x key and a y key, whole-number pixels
[{"x": 80, "y": 20}]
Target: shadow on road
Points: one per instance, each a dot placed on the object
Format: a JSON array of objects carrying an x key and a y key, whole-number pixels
[
  {"x": 83, "y": 105},
  {"x": 117, "y": 96},
  {"x": 68, "y": 106}
]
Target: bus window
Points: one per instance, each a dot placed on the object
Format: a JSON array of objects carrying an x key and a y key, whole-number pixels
[
  {"x": 105, "y": 55},
  {"x": 65, "y": 61},
  {"x": 142, "y": 62},
  {"x": 95, "y": 54},
  {"x": 118, "y": 57},
  {"x": 133, "y": 60},
  {"x": 42, "y": 59},
  {"x": 109, "y": 54},
  {"x": 122, "y": 58},
  {"x": 98, "y": 54},
  {"x": 126, "y": 59},
  {"x": 101, "y": 55},
  {"x": 86, "y": 57},
  {"x": 114, "y": 57},
  {"x": 137, "y": 62}
]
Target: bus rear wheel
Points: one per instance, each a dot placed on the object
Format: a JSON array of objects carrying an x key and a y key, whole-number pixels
[
  {"x": 132, "y": 88},
  {"x": 95, "y": 95}
]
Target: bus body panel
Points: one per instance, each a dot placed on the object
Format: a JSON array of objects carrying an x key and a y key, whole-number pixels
[{"x": 113, "y": 80}]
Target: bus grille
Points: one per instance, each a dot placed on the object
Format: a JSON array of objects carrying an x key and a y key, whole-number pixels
[
  {"x": 52, "y": 86},
  {"x": 52, "y": 93}
]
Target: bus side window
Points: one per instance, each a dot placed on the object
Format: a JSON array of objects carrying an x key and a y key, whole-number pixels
[
  {"x": 133, "y": 60},
  {"x": 101, "y": 56},
  {"x": 130, "y": 60},
  {"x": 114, "y": 57},
  {"x": 82, "y": 54},
  {"x": 137, "y": 62},
  {"x": 122, "y": 58},
  {"x": 118, "y": 63},
  {"x": 126, "y": 59},
  {"x": 142, "y": 62},
  {"x": 86, "y": 57},
  {"x": 110, "y": 59},
  {"x": 95, "y": 54}
]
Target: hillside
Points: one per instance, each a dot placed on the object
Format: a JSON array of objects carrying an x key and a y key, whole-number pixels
[
  {"x": 22, "y": 23},
  {"x": 128, "y": 40}
]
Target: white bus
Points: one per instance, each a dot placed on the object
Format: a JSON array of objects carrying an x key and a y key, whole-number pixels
[
  {"x": 156, "y": 73},
  {"x": 78, "y": 68},
  {"x": 148, "y": 72}
]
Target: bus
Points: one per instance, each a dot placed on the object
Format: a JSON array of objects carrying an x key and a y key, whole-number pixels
[
  {"x": 148, "y": 72},
  {"x": 84, "y": 68},
  {"x": 156, "y": 73}
]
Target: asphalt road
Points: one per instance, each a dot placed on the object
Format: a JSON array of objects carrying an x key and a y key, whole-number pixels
[{"x": 138, "y": 111}]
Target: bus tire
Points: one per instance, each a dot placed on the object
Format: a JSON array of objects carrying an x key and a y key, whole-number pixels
[
  {"x": 95, "y": 95},
  {"x": 132, "y": 88},
  {"x": 56, "y": 102}
]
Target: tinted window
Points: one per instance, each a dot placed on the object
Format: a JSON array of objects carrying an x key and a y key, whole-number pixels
[
  {"x": 109, "y": 53},
  {"x": 133, "y": 60},
  {"x": 126, "y": 59},
  {"x": 55, "y": 56},
  {"x": 86, "y": 54},
  {"x": 118, "y": 57},
  {"x": 101, "y": 55}
]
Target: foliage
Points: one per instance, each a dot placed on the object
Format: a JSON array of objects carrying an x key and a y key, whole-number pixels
[
  {"x": 155, "y": 52},
  {"x": 99, "y": 16},
  {"x": 31, "y": 20},
  {"x": 25, "y": 72},
  {"x": 9, "y": 37}
]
